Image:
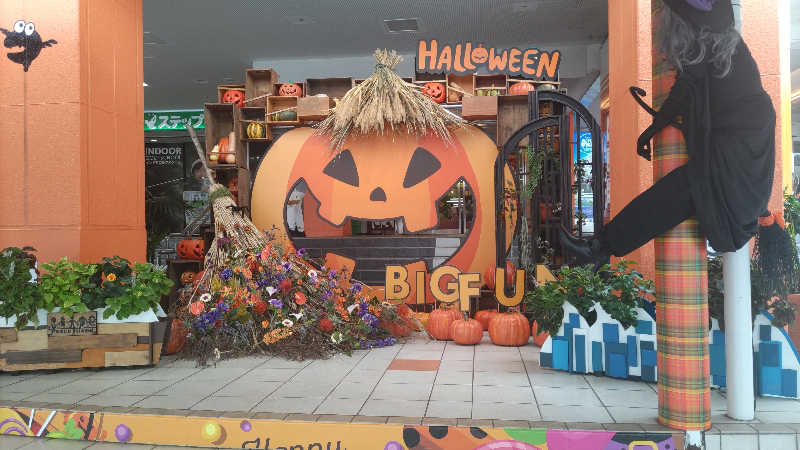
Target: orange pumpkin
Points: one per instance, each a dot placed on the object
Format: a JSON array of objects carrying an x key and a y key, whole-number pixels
[
  {"x": 423, "y": 319},
  {"x": 439, "y": 324},
  {"x": 480, "y": 55},
  {"x": 538, "y": 338},
  {"x": 191, "y": 249},
  {"x": 187, "y": 277},
  {"x": 199, "y": 277},
  {"x": 233, "y": 96},
  {"x": 521, "y": 88},
  {"x": 398, "y": 329},
  {"x": 435, "y": 91},
  {"x": 509, "y": 329},
  {"x": 290, "y": 90},
  {"x": 466, "y": 332},
  {"x": 488, "y": 275},
  {"x": 484, "y": 316},
  {"x": 177, "y": 337}
]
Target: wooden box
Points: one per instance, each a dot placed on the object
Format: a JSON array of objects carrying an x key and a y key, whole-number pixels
[
  {"x": 226, "y": 87},
  {"x": 479, "y": 108},
  {"x": 248, "y": 115},
  {"x": 313, "y": 108},
  {"x": 279, "y": 104},
  {"x": 512, "y": 114},
  {"x": 332, "y": 87},
  {"x": 258, "y": 83},
  {"x": 223, "y": 176},
  {"x": 276, "y": 87},
  {"x": 498, "y": 83},
  {"x": 115, "y": 344},
  {"x": 220, "y": 121},
  {"x": 456, "y": 83}
]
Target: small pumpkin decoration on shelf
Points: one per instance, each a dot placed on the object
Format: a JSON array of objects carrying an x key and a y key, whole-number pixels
[
  {"x": 191, "y": 249},
  {"x": 256, "y": 130},
  {"x": 509, "y": 329},
  {"x": 285, "y": 116},
  {"x": 521, "y": 88},
  {"x": 439, "y": 324},
  {"x": 234, "y": 96},
  {"x": 480, "y": 55},
  {"x": 221, "y": 153},
  {"x": 187, "y": 277},
  {"x": 484, "y": 316},
  {"x": 435, "y": 91},
  {"x": 290, "y": 90},
  {"x": 466, "y": 331}
]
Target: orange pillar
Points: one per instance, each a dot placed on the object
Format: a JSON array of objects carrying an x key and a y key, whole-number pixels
[
  {"x": 629, "y": 59},
  {"x": 71, "y": 134}
]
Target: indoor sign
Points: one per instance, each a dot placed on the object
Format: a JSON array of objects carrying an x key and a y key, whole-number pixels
[
  {"x": 468, "y": 57},
  {"x": 173, "y": 120}
]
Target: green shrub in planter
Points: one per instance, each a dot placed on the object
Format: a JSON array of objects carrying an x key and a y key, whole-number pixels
[
  {"x": 142, "y": 293},
  {"x": 62, "y": 285},
  {"x": 20, "y": 298}
]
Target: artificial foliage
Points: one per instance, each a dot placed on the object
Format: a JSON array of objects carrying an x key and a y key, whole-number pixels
[{"x": 21, "y": 298}]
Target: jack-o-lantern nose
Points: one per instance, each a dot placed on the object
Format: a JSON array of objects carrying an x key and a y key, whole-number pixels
[{"x": 377, "y": 195}]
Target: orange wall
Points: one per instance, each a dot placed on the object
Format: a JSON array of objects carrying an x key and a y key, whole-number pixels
[
  {"x": 629, "y": 57},
  {"x": 72, "y": 171}
]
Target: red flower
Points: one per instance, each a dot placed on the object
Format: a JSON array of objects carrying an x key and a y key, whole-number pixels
[
  {"x": 260, "y": 306},
  {"x": 285, "y": 285},
  {"x": 404, "y": 310},
  {"x": 325, "y": 325},
  {"x": 300, "y": 298}
]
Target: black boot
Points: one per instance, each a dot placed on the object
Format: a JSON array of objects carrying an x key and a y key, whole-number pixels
[{"x": 593, "y": 251}]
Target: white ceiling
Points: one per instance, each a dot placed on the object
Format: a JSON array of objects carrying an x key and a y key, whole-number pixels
[{"x": 215, "y": 40}]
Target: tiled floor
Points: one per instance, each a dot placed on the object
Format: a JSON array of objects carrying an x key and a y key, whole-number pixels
[
  {"x": 20, "y": 443},
  {"x": 419, "y": 378}
]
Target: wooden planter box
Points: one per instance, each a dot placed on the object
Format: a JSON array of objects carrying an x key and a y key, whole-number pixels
[
  {"x": 479, "y": 108},
  {"x": 258, "y": 82},
  {"x": 129, "y": 343},
  {"x": 313, "y": 108}
]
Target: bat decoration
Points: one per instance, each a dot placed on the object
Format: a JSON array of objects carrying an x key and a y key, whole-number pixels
[{"x": 24, "y": 35}]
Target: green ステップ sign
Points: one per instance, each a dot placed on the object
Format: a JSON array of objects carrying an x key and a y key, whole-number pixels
[{"x": 173, "y": 120}]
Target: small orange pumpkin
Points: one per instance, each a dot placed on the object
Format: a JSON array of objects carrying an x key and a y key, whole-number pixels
[
  {"x": 397, "y": 329},
  {"x": 439, "y": 324},
  {"x": 488, "y": 275},
  {"x": 290, "y": 90},
  {"x": 233, "y": 96},
  {"x": 466, "y": 332},
  {"x": 480, "y": 55},
  {"x": 538, "y": 338},
  {"x": 509, "y": 329},
  {"x": 187, "y": 277},
  {"x": 435, "y": 91},
  {"x": 198, "y": 277},
  {"x": 191, "y": 249},
  {"x": 484, "y": 316},
  {"x": 521, "y": 88}
]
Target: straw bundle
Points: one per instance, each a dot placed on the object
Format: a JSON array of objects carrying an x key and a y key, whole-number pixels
[{"x": 384, "y": 100}]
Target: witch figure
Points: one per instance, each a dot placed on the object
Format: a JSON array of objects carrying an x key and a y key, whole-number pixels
[{"x": 728, "y": 123}]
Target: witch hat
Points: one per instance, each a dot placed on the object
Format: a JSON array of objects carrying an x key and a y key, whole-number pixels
[{"x": 714, "y": 15}]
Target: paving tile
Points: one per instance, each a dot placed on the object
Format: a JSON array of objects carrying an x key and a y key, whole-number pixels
[
  {"x": 166, "y": 373},
  {"x": 426, "y": 346},
  {"x": 363, "y": 376},
  {"x": 35, "y": 385},
  {"x": 342, "y": 406},
  {"x": 394, "y": 391},
  {"x": 639, "y": 399},
  {"x": 353, "y": 390},
  {"x": 503, "y": 394},
  {"x": 452, "y": 392},
  {"x": 456, "y": 366},
  {"x": 209, "y": 413},
  {"x": 464, "y": 378},
  {"x": 298, "y": 417},
  {"x": 505, "y": 411},
  {"x": 458, "y": 355},
  {"x": 718, "y": 401},
  {"x": 499, "y": 366},
  {"x": 248, "y": 388},
  {"x": 229, "y": 373},
  {"x": 394, "y": 408},
  {"x": 408, "y": 376},
  {"x": 478, "y": 423},
  {"x": 713, "y": 441},
  {"x": 558, "y": 379},
  {"x": 61, "y": 444},
  {"x": 596, "y": 414},
  {"x": 270, "y": 415},
  {"x": 773, "y": 428},
  {"x": 279, "y": 363},
  {"x": 194, "y": 389},
  {"x": 167, "y": 402},
  {"x": 219, "y": 403},
  {"x": 624, "y": 427},
  {"x": 566, "y": 396},
  {"x": 111, "y": 399},
  {"x": 422, "y": 356},
  {"x": 13, "y": 442},
  {"x": 117, "y": 409},
  {"x": 777, "y": 441},
  {"x": 773, "y": 404},
  {"x": 414, "y": 364},
  {"x": 735, "y": 428},
  {"x": 305, "y": 405},
  {"x": 243, "y": 363},
  {"x": 7, "y": 380},
  {"x": 304, "y": 390},
  {"x": 134, "y": 387},
  {"x": 589, "y": 426},
  {"x": 373, "y": 364},
  {"x": 86, "y": 387},
  {"x": 113, "y": 446},
  {"x": 14, "y": 396},
  {"x": 334, "y": 418},
  {"x": 500, "y": 379},
  {"x": 625, "y": 414},
  {"x": 118, "y": 373},
  {"x": 548, "y": 425},
  {"x": 739, "y": 442},
  {"x": 405, "y": 420},
  {"x": 440, "y": 421},
  {"x": 601, "y": 382},
  {"x": 448, "y": 409},
  {"x": 778, "y": 417},
  {"x": 262, "y": 374},
  {"x": 512, "y": 424},
  {"x": 370, "y": 419}
]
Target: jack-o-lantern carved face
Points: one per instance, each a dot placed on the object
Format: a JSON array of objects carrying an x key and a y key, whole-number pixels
[
  {"x": 374, "y": 177},
  {"x": 480, "y": 55},
  {"x": 521, "y": 88},
  {"x": 233, "y": 96},
  {"x": 435, "y": 91},
  {"x": 290, "y": 90}
]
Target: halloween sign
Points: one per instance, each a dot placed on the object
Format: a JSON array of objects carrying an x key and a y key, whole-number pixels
[
  {"x": 469, "y": 57},
  {"x": 24, "y": 35},
  {"x": 384, "y": 177}
]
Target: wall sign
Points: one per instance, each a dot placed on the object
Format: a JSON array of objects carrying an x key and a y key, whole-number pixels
[
  {"x": 78, "y": 324},
  {"x": 173, "y": 120},
  {"x": 469, "y": 57}
]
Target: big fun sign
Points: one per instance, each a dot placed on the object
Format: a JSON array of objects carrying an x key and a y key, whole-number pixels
[
  {"x": 469, "y": 57},
  {"x": 448, "y": 284}
]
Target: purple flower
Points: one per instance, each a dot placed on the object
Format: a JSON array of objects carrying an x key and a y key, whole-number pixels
[
  {"x": 222, "y": 306},
  {"x": 363, "y": 308},
  {"x": 327, "y": 295},
  {"x": 370, "y": 319},
  {"x": 226, "y": 274},
  {"x": 332, "y": 274},
  {"x": 287, "y": 266},
  {"x": 301, "y": 252},
  {"x": 276, "y": 302},
  {"x": 356, "y": 288}
]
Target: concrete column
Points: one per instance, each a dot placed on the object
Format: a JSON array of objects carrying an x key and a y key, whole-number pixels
[{"x": 738, "y": 335}]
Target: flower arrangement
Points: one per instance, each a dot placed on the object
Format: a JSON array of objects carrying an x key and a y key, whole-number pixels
[{"x": 277, "y": 301}]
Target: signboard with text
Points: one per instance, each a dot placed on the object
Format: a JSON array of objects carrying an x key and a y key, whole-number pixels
[
  {"x": 469, "y": 57},
  {"x": 173, "y": 120}
]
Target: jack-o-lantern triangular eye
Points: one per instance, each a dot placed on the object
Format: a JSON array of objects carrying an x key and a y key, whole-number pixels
[
  {"x": 423, "y": 164},
  {"x": 343, "y": 168}
]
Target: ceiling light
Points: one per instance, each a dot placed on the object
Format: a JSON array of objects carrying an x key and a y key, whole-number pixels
[
  {"x": 144, "y": 84},
  {"x": 153, "y": 140},
  {"x": 402, "y": 25}
]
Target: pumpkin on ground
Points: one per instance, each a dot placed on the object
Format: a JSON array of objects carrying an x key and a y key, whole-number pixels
[
  {"x": 509, "y": 329},
  {"x": 187, "y": 277},
  {"x": 191, "y": 249},
  {"x": 435, "y": 91},
  {"x": 439, "y": 324},
  {"x": 466, "y": 332},
  {"x": 521, "y": 88},
  {"x": 233, "y": 96},
  {"x": 484, "y": 316},
  {"x": 538, "y": 338},
  {"x": 397, "y": 329},
  {"x": 290, "y": 90}
]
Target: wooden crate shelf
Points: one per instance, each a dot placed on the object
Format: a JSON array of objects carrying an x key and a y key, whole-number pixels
[
  {"x": 226, "y": 87},
  {"x": 276, "y": 87},
  {"x": 479, "y": 108},
  {"x": 464, "y": 83},
  {"x": 278, "y": 104},
  {"x": 313, "y": 108},
  {"x": 257, "y": 83},
  {"x": 332, "y": 87},
  {"x": 243, "y": 194},
  {"x": 220, "y": 120},
  {"x": 249, "y": 115}
]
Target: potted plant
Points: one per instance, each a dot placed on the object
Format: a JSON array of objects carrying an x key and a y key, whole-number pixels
[{"x": 22, "y": 298}]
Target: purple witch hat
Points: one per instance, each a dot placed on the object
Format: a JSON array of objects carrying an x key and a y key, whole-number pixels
[{"x": 714, "y": 15}]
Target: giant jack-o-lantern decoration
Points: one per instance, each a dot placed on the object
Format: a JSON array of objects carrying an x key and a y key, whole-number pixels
[{"x": 384, "y": 177}]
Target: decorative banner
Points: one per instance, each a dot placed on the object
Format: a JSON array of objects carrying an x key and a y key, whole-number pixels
[
  {"x": 79, "y": 324},
  {"x": 173, "y": 120},
  {"x": 468, "y": 57}
]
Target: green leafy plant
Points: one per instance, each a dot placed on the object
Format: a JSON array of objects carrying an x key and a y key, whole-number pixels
[
  {"x": 617, "y": 289},
  {"x": 63, "y": 283},
  {"x": 20, "y": 297},
  {"x": 791, "y": 214},
  {"x": 143, "y": 293},
  {"x": 109, "y": 281},
  {"x": 536, "y": 162}
]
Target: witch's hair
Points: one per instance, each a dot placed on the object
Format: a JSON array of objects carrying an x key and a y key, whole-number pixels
[{"x": 684, "y": 46}]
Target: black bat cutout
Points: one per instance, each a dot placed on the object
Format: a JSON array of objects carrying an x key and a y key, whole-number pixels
[{"x": 24, "y": 35}]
